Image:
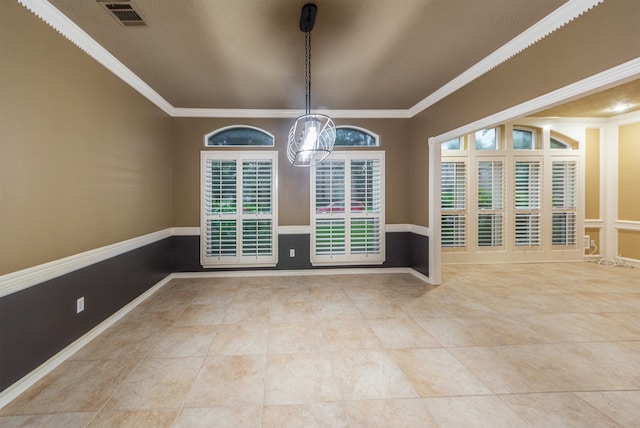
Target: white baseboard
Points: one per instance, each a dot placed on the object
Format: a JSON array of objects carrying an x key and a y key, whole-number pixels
[{"x": 45, "y": 368}]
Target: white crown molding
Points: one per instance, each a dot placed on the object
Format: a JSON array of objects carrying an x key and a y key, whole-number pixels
[
  {"x": 613, "y": 75},
  {"x": 22, "y": 279},
  {"x": 288, "y": 114},
  {"x": 547, "y": 25},
  {"x": 558, "y": 18},
  {"x": 67, "y": 28}
]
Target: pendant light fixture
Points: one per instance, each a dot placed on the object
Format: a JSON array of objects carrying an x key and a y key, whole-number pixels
[{"x": 312, "y": 136}]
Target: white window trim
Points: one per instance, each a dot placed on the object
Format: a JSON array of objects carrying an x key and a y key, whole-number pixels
[
  {"x": 347, "y": 258},
  {"x": 239, "y": 260}
]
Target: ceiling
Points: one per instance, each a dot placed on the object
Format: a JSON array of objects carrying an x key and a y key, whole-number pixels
[
  {"x": 366, "y": 54},
  {"x": 601, "y": 104},
  {"x": 249, "y": 54}
]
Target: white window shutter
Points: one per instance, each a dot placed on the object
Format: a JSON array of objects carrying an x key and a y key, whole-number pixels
[
  {"x": 238, "y": 220},
  {"x": 454, "y": 204},
  {"x": 528, "y": 197},
  {"x": 348, "y": 209},
  {"x": 490, "y": 186},
  {"x": 564, "y": 203}
]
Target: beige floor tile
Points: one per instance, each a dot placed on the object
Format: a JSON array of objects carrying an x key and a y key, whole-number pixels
[
  {"x": 156, "y": 383},
  {"x": 621, "y": 406},
  {"x": 349, "y": 334},
  {"x": 45, "y": 421},
  {"x": 184, "y": 341},
  {"x": 378, "y": 309},
  {"x": 561, "y": 341},
  {"x": 486, "y": 331},
  {"x": 621, "y": 359},
  {"x": 369, "y": 375},
  {"x": 296, "y": 337},
  {"x": 402, "y": 332},
  {"x": 435, "y": 372},
  {"x": 220, "y": 417},
  {"x": 537, "y": 368},
  {"x": 300, "y": 378},
  {"x": 155, "y": 418},
  {"x": 561, "y": 410},
  {"x": 472, "y": 412},
  {"x": 241, "y": 339},
  {"x": 202, "y": 314},
  {"x": 338, "y": 308},
  {"x": 316, "y": 415},
  {"x": 215, "y": 295},
  {"x": 124, "y": 341},
  {"x": 247, "y": 313},
  {"x": 292, "y": 312},
  {"x": 228, "y": 381},
  {"x": 84, "y": 387},
  {"x": 26, "y": 397},
  {"x": 399, "y": 413}
]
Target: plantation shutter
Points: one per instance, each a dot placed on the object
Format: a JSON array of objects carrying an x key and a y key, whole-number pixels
[
  {"x": 564, "y": 205},
  {"x": 528, "y": 196},
  {"x": 330, "y": 226},
  {"x": 453, "y": 203},
  {"x": 490, "y": 203},
  {"x": 238, "y": 219},
  {"x": 348, "y": 209},
  {"x": 220, "y": 209},
  {"x": 257, "y": 194}
]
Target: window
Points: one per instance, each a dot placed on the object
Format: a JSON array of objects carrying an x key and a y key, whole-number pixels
[
  {"x": 564, "y": 206},
  {"x": 523, "y": 139},
  {"x": 347, "y": 191},
  {"x": 490, "y": 203},
  {"x": 487, "y": 139},
  {"x": 238, "y": 214},
  {"x": 453, "y": 203},
  {"x": 355, "y": 137},
  {"x": 455, "y": 144},
  {"x": 528, "y": 185},
  {"x": 239, "y": 136}
]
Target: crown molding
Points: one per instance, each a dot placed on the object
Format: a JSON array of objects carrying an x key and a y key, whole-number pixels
[
  {"x": 608, "y": 77},
  {"x": 67, "y": 28},
  {"x": 547, "y": 25},
  {"x": 76, "y": 35},
  {"x": 288, "y": 114}
]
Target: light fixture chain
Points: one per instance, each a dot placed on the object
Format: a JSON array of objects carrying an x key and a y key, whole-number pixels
[{"x": 307, "y": 71}]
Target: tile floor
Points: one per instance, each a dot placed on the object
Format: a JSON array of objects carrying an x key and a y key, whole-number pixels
[{"x": 538, "y": 345}]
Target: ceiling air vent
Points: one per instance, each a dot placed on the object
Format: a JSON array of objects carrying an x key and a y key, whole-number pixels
[{"x": 124, "y": 12}]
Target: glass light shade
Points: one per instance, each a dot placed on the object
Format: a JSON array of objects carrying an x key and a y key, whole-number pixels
[{"x": 311, "y": 139}]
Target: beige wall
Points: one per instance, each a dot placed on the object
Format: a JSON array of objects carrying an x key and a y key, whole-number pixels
[
  {"x": 609, "y": 32},
  {"x": 629, "y": 244},
  {"x": 592, "y": 174},
  {"x": 293, "y": 182},
  {"x": 628, "y": 172},
  {"x": 85, "y": 161},
  {"x": 628, "y": 179}
]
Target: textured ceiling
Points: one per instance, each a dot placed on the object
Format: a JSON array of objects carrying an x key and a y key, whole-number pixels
[
  {"x": 600, "y": 104},
  {"x": 249, "y": 54}
]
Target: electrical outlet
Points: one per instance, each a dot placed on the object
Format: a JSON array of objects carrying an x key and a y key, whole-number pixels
[
  {"x": 593, "y": 243},
  {"x": 292, "y": 252},
  {"x": 586, "y": 243},
  {"x": 80, "y": 305}
]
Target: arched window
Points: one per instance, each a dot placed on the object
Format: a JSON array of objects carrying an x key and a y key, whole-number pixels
[
  {"x": 350, "y": 136},
  {"x": 239, "y": 136}
]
